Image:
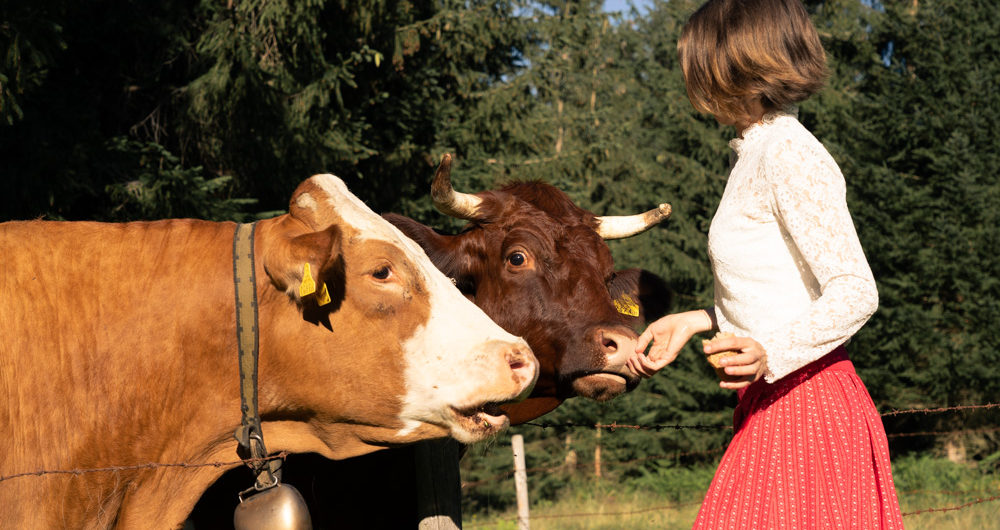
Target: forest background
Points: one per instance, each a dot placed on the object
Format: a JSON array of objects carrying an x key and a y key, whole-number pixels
[{"x": 120, "y": 110}]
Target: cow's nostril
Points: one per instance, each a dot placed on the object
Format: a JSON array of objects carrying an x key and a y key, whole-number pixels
[
  {"x": 607, "y": 342},
  {"x": 517, "y": 359},
  {"x": 524, "y": 367},
  {"x": 514, "y": 360}
]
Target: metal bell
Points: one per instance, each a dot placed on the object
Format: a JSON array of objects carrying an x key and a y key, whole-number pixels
[{"x": 280, "y": 507}]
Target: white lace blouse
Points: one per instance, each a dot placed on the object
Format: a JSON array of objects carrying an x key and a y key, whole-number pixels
[{"x": 789, "y": 270}]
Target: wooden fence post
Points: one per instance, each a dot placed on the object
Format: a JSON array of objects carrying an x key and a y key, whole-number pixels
[
  {"x": 520, "y": 482},
  {"x": 570, "y": 460},
  {"x": 597, "y": 454},
  {"x": 439, "y": 485}
]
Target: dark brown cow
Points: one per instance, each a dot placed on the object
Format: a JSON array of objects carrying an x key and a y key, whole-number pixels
[
  {"x": 537, "y": 265},
  {"x": 119, "y": 349}
]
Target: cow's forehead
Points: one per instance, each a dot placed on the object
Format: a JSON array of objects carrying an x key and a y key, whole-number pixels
[
  {"x": 568, "y": 240},
  {"x": 334, "y": 201},
  {"x": 342, "y": 203}
]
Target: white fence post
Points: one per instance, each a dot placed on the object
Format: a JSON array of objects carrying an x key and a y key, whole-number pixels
[{"x": 520, "y": 482}]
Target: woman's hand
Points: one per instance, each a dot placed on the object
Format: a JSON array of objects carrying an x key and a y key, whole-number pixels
[
  {"x": 668, "y": 335},
  {"x": 749, "y": 363}
]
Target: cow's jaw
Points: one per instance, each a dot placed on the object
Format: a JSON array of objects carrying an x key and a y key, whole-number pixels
[{"x": 481, "y": 421}]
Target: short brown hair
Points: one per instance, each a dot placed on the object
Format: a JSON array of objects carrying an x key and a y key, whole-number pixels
[{"x": 733, "y": 52}]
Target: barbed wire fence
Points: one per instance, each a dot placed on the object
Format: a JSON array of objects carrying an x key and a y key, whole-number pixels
[
  {"x": 611, "y": 427},
  {"x": 978, "y": 497}
]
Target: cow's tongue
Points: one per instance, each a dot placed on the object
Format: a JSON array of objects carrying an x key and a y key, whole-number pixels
[
  {"x": 486, "y": 416},
  {"x": 492, "y": 413}
]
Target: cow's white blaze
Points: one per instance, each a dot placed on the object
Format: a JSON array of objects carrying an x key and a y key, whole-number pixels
[{"x": 456, "y": 359}]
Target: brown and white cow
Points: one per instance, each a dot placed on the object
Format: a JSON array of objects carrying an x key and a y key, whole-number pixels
[
  {"x": 119, "y": 349},
  {"x": 538, "y": 265}
]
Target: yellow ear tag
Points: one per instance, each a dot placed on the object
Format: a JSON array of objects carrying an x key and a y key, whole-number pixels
[
  {"x": 627, "y": 306},
  {"x": 323, "y": 296},
  {"x": 308, "y": 286}
]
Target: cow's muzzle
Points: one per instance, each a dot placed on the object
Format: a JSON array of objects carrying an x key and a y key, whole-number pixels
[
  {"x": 483, "y": 418},
  {"x": 609, "y": 377}
]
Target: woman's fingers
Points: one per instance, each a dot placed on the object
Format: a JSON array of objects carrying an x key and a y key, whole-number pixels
[
  {"x": 741, "y": 362},
  {"x": 747, "y": 364},
  {"x": 747, "y": 372},
  {"x": 734, "y": 385},
  {"x": 634, "y": 364},
  {"x": 729, "y": 344},
  {"x": 647, "y": 365},
  {"x": 743, "y": 369},
  {"x": 643, "y": 341}
]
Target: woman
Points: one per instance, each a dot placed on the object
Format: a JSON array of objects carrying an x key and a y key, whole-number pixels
[{"x": 791, "y": 285}]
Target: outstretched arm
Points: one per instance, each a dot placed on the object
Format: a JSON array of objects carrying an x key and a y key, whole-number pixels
[{"x": 668, "y": 335}]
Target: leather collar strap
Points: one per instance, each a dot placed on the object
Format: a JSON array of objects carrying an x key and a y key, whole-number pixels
[{"x": 249, "y": 434}]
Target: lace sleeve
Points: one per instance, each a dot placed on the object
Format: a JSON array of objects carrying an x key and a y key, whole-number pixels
[{"x": 808, "y": 195}]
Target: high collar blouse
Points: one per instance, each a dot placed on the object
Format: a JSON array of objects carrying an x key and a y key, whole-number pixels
[{"x": 789, "y": 269}]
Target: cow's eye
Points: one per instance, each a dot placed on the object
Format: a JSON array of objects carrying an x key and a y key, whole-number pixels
[
  {"x": 516, "y": 258},
  {"x": 382, "y": 273}
]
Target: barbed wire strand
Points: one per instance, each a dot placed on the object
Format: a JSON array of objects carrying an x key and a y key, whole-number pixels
[
  {"x": 686, "y": 504},
  {"x": 592, "y": 514},
  {"x": 615, "y": 425},
  {"x": 149, "y": 465},
  {"x": 627, "y": 512},
  {"x": 585, "y": 464},
  {"x": 953, "y": 508},
  {"x": 937, "y": 433},
  {"x": 940, "y": 492},
  {"x": 940, "y": 409}
]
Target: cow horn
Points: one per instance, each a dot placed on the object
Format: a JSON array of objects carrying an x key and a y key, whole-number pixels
[
  {"x": 447, "y": 200},
  {"x": 621, "y": 226}
]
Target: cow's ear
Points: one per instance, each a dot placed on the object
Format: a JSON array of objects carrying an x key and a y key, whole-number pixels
[
  {"x": 443, "y": 250},
  {"x": 308, "y": 267},
  {"x": 640, "y": 296}
]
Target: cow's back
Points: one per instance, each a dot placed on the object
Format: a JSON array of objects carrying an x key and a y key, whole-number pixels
[{"x": 88, "y": 310}]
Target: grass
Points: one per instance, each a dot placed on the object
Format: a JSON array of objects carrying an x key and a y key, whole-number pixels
[
  {"x": 670, "y": 498},
  {"x": 924, "y": 482}
]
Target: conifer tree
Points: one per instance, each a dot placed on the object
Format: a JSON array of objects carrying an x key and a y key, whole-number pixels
[
  {"x": 261, "y": 95},
  {"x": 920, "y": 146}
]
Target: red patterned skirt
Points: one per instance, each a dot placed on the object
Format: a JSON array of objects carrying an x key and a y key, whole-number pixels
[{"x": 809, "y": 451}]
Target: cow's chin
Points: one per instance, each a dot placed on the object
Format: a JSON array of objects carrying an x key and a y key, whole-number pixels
[
  {"x": 478, "y": 423},
  {"x": 602, "y": 386}
]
